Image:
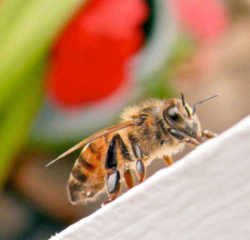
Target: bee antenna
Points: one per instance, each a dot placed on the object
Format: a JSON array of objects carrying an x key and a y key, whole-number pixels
[
  {"x": 202, "y": 101},
  {"x": 183, "y": 99},
  {"x": 184, "y": 104}
]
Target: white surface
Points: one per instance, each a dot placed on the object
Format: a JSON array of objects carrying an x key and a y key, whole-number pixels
[{"x": 206, "y": 195}]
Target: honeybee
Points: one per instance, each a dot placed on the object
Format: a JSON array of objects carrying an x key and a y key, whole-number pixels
[{"x": 152, "y": 129}]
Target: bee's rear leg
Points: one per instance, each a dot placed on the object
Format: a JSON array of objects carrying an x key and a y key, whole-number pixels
[
  {"x": 113, "y": 176},
  {"x": 208, "y": 134},
  {"x": 113, "y": 185},
  {"x": 140, "y": 170},
  {"x": 168, "y": 160},
  {"x": 129, "y": 178}
]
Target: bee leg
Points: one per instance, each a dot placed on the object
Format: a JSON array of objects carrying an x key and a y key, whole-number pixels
[
  {"x": 140, "y": 170},
  {"x": 113, "y": 176},
  {"x": 208, "y": 134},
  {"x": 129, "y": 178},
  {"x": 169, "y": 161},
  {"x": 113, "y": 186}
]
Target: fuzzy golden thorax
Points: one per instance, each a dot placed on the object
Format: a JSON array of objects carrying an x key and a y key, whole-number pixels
[{"x": 165, "y": 124}]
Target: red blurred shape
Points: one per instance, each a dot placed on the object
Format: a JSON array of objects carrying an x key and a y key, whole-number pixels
[
  {"x": 89, "y": 59},
  {"x": 205, "y": 19}
]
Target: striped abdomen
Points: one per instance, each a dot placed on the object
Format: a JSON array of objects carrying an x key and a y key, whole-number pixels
[
  {"x": 102, "y": 162},
  {"x": 87, "y": 176}
]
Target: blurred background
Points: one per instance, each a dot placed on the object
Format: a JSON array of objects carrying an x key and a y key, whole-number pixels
[{"x": 68, "y": 68}]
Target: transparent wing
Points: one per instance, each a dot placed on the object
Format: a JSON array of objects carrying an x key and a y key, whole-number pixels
[{"x": 92, "y": 138}]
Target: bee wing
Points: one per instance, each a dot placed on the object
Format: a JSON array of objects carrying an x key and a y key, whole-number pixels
[{"x": 93, "y": 138}]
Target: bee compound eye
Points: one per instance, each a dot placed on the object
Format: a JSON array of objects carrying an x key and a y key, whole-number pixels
[
  {"x": 113, "y": 182},
  {"x": 173, "y": 114}
]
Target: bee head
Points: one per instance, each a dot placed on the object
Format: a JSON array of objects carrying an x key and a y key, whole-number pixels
[{"x": 182, "y": 119}]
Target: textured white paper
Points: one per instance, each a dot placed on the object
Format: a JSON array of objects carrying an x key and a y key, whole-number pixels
[{"x": 204, "y": 196}]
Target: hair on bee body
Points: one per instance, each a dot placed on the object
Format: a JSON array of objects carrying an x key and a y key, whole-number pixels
[{"x": 120, "y": 154}]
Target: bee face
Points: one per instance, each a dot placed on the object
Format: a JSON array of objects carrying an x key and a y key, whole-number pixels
[{"x": 182, "y": 121}]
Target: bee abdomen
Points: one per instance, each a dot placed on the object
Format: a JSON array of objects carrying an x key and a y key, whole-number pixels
[
  {"x": 79, "y": 174},
  {"x": 82, "y": 184},
  {"x": 87, "y": 177},
  {"x": 75, "y": 190},
  {"x": 85, "y": 164}
]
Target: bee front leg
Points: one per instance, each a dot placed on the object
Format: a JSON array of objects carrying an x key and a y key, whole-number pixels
[
  {"x": 113, "y": 185},
  {"x": 169, "y": 161},
  {"x": 208, "y": 134}
]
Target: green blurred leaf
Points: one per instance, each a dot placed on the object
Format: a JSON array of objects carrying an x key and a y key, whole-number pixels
[
  {"x": 9, "y": 12},
  {"x": 16, "y": 124},
  {"x": 28, "y": 40},
  {"x": 27, "y": 30}
]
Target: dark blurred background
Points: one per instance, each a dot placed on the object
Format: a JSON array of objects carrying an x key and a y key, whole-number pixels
[{"x": 68, "y": 68}]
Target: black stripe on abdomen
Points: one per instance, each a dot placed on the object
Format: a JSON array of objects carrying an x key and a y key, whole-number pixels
[
  {"x": 92, "y": 148},
  {"x": 79, "y": 175},
  {"x": 85, "y": 163}
]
